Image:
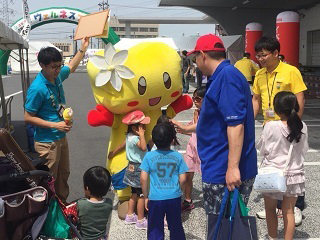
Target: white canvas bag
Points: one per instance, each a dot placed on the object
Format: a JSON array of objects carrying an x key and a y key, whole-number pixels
[{"x": 272, "y": 179}]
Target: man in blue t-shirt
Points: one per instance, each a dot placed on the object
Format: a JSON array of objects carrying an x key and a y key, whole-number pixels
[
  {"x": 44, "y": 107},
  {"x": 167, "y": 171},
  {"x": 225, "y": 129}
]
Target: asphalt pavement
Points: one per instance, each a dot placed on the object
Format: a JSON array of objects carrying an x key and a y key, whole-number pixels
[{"x": 88, "y": 147}]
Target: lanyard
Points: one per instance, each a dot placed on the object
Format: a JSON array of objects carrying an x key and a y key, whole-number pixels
[
  {"x": 270, "y": 93},
  {"x": 52, "y": 97}
]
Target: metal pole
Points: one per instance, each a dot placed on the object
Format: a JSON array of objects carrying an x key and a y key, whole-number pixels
[
  {"x": 28, "y": 75},
  {"x": 3, "y": 105},
  {"x": 73, "y": 43},
  {"x": 21, "y": 73}
]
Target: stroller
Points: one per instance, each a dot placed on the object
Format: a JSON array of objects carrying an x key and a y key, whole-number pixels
[{"x": 26, "y": 194}]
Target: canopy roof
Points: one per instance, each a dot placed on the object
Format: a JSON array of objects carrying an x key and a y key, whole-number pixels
[
  {"x": 249, "y": 4},
  {"x": 234, "y": 15},
  {"x": 9, "y": 39}
]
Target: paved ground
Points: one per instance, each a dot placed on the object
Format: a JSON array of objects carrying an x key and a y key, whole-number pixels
[{"x": 88, "y": 148}]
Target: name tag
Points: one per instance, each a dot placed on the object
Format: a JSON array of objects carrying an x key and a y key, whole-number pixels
[{"x": 270, "y": 113}]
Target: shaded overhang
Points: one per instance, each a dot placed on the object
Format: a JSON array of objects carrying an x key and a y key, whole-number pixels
[
  {"x": 234, "y": 15},
  {"x": 283, "y": 5}
]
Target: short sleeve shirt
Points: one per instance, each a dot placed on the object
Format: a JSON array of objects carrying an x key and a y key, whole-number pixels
[
  {"x": 185, "y": 64},
  {"x": 134, "y": 153},
  {"x": 227, "y": 103},
  {"x": 94, "y": 217},
  {"x": 247, "y": 67},
  {"x": 164, "y": 168},
  {"x": 39, "y": 99},
  {"x": 284, "y": 78}
]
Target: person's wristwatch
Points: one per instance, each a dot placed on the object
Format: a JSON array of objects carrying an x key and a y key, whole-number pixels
[{"x": 81, "y": 51}]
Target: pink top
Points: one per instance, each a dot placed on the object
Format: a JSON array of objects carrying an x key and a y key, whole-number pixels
[{"x": 274, "y": 147}]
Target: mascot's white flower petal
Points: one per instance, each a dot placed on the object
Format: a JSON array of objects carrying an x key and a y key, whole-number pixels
[
  {"x": 124, "y": 72},
  {"x": 116, "y": 81},
  {"x": 120, "y": 57},
  {"x": 111, "y": 67},
  {"x": 102, "y": 78},
  {"x": 109, "y": 53},
  {"x": 99, "y": 62}
]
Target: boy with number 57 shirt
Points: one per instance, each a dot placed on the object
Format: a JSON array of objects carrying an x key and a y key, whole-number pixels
[{"x": 167, "y": 171}]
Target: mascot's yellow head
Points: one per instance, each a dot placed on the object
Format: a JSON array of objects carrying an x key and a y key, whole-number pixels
[{"x": 145, "y": 77}]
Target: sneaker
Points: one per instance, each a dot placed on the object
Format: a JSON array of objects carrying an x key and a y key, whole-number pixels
[
  {"x": 131, "y": 220},
  {"x": 187, "y": 206},
  {"x": 297, "y": 216},
  {"x": 165, "y": 224},
  {"x": 142, "y": 224},
  {"x": 262, "y": 214}
]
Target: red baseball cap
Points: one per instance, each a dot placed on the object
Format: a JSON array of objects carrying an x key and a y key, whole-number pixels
[
  {"x": 207, "y": 43},
  {"x": 136, "y": 117}
]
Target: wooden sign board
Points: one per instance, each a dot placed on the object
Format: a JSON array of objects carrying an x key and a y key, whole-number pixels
[{"x": 93, "y": 25}]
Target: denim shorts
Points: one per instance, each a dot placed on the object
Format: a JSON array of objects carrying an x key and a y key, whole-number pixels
[
  {"x": 213, "y": 194},
  {"x": 132, "y": 175}
]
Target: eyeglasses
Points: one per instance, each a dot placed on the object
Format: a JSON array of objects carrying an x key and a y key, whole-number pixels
[
  {"x": 197, "y": 54},
  {"x": 55, "y": 68},
  {"x": 263, "y": 56},
  {"x": 197, "y": 99}
]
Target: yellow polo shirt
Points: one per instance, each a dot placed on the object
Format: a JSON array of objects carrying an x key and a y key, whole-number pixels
[
  {"x": 284, "y": 78},
  {"x": 247, "y": 67}
]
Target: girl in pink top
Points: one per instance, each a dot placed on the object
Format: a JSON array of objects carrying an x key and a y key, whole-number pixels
[
  {"x": 274, "y": 146},
  {"x": 191, "y": 156}
]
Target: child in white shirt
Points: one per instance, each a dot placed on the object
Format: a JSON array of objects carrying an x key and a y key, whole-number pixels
[{"x": 274, "y": 146}]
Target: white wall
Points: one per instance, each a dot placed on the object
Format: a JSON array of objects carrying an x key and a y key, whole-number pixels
[{"x": 310, "y": 22}]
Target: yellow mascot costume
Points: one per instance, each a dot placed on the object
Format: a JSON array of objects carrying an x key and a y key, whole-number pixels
[{"x": 145, "y": 77}]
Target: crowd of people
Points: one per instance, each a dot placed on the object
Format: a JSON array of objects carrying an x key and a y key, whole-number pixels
[{"x": 221, "y": 148}]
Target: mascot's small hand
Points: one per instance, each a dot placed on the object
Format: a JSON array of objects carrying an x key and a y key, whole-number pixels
[
  {"x": 100, "y": 117},
  {"x": 184, "y": 102}
]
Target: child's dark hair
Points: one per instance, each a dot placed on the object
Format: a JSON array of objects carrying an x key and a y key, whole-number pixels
[
  {"x": 97, "y": 179},
  {"x": 48, "y": 55},
  {"x": 166, "y": 119},
  {"x": 286, "y": 103},
  {"x": 200, "y": 92},
  {"x": 130, "y": 130},
  {"x": 163, "y": 134}
]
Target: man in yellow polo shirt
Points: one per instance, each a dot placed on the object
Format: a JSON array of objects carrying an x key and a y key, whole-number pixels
[
  {"x": 276, "y": 76},
  {"x": 247, "y": 67}
]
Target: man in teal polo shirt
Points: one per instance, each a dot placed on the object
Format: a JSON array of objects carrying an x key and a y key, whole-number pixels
[{"x": 43, "y": 109}]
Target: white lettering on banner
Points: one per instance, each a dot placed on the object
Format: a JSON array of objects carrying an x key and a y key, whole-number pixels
[{"x": 23, "y": 26}]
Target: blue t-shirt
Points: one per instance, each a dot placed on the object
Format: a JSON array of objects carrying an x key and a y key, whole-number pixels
[
  {"x": 134, "y": 153},
  {"x": 39, "y": 103},
  {"x": 228, "y": 102},
  {"x": 164, "y": 168}
]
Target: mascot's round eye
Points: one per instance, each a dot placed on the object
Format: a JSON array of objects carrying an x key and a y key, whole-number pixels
[
  {"x": 142, "y": 85},
  {"x": 167, "y": 80}
]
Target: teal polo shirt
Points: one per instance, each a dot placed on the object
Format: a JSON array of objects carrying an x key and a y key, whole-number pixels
[{"x": 39, "y": 103}]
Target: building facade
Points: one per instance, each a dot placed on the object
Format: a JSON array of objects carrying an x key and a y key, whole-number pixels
[
  {"x": 66, "y": 47},
  {"x": 136, "y": 30}
]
